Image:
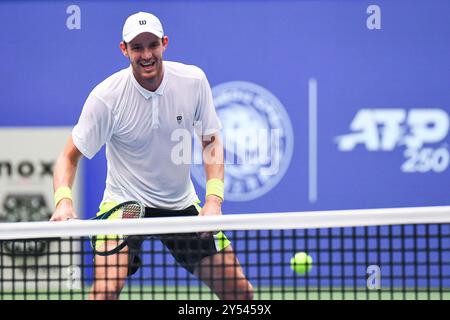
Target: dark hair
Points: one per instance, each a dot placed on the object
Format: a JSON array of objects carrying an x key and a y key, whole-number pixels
[{"x": 126, "y": 44}]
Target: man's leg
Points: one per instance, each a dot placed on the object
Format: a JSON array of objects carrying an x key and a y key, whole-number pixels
[
  {"x": 110, "y": 275},
  {"x": 223, "y": 274}
]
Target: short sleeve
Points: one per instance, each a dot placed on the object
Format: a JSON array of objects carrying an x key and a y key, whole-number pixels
[
  {"x": 94, "y": 127},
  {"x": 206, "y": 121}
]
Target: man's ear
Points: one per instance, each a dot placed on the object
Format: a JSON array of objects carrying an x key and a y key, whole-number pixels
[
  {"x": 123, "y": 48},
  {"x": 165, "y": 42}
]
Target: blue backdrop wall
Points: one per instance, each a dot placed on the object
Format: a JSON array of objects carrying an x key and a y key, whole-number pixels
[{"x": 378, "y": 71}]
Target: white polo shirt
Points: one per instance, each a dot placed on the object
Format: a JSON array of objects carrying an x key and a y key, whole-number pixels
[{"x": 139, "y": 128}]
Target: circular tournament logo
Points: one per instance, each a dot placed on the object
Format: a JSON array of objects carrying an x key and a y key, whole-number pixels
[{"x": 257, "y": 137}]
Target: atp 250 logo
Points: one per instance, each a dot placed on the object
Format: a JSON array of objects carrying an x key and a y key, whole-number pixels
[{"x": 422, "y": 132}]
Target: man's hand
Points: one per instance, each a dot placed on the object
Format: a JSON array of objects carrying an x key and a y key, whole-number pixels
[
  {"x": 64, "y": 211},
  {"x": 212, "y": 207}
]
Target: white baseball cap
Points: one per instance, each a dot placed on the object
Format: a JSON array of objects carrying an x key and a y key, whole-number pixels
[{"x": 141, "y": 22}]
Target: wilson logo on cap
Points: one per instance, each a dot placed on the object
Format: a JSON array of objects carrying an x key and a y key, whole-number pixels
[{"x": 141, "y": 22}]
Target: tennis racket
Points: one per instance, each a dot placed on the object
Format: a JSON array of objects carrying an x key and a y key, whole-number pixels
[{"x": 105, "y": 245}]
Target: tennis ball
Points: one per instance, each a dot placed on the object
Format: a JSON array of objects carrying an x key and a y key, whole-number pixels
[{"x": 301, "y": 263}]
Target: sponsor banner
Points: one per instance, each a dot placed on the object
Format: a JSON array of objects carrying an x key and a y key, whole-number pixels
[{"x": 26, "y": 194}]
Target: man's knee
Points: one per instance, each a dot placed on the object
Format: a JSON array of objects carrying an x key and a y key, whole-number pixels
[
  {"x": 242, "y": 290},
  {"x": 248, "y": 291},
  {"x": 105, "y": 290}
]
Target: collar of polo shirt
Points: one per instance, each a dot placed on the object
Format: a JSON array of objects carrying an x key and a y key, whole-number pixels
[{"x": 146, "y": 93}]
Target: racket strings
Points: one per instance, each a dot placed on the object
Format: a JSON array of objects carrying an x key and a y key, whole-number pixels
[{"x": 131, "y": 211}]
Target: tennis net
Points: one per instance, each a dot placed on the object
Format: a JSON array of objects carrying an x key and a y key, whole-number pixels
[{"x": 399, "y": 253}]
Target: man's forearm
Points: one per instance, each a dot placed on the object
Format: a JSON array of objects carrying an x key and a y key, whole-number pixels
[
  {"x": 63, "y": 178},
  {"x": 64, "y": 172},
  {"x": 66, "y": 167},
  {"x": 213, "y": 158}
]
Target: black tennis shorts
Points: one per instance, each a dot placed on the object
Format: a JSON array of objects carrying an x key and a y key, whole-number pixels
[{"x": 188, "y": 249}]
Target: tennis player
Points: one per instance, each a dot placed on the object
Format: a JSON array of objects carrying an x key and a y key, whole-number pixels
[{"x": 135, "y": 113}]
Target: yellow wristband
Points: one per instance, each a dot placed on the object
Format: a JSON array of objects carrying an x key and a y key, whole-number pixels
[
  {"x": 62, "y": 193},
  {"x": 215, "y": 187}
]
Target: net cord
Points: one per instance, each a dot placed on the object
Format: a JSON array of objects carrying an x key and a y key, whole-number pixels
[{"x": 254, "y": 221}]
